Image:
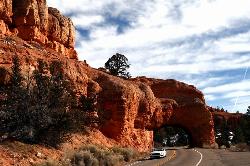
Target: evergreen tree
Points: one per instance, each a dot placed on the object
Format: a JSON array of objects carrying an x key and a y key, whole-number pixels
[
  {"x": 117, "y": 65},
  {"x": 30, "y": 111},
  {"x": 248, "y": 111},
  {"x": 239, "y": 135}
]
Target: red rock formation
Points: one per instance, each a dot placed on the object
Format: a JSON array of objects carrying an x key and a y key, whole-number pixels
[
  {"x": 33, "y": 20},
  {"x": 220, "y": 117},
  {"x": 182, "y": 105},
  {"x": 6, "y": 11},
  {"x": 131, "y": 109}
]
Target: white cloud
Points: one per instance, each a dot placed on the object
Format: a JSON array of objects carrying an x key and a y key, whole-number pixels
[
  {"x": 169, "y": 38},
  {"x": 210, "y": 97},
  {"x": 241, "y": 104},
  {"x": 207, "y": 15},
  {"x": 236, "y": 94},
  {"x": 239, "y": 86},
  {"x": 86, "y": 21}
]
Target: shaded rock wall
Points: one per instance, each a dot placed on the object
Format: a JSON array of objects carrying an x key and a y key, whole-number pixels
[
  {"x": 221, "y": 117},
  {"x": 33, "y": 20}
]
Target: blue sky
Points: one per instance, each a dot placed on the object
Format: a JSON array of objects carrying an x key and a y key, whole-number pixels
[{"x": 201, "y": 42}]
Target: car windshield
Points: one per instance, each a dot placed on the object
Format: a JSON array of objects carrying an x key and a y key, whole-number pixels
[{"x": 158, "y": 149}]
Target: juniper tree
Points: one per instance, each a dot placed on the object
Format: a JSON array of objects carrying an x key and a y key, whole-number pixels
[{"x": 117, "y": 65}]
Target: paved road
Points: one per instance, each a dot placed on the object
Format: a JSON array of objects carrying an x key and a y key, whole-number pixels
[
  {"x": 187, "y": 157},
  {"x": 221, "y": 157},
  {"x": 199, "y": 157},
  {"x": 155, "y": 162},
  {"x": 209, "y": 157}
]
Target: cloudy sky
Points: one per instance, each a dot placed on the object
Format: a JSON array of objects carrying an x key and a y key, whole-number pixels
[{"x": 201, "y": 42}]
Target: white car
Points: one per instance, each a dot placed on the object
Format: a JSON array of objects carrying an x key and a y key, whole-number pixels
[{"x": 158, "y": 153}]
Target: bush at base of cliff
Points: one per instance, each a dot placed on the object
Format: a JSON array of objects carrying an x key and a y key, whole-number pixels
[
  {"x": 104, "y": 156},
  {"x": 36, "y": 103},
  {"x": 241, "y": 147},
  {"x": 82, "y": 158},
  {"x": 127, "y": 153},
  {"x": 48, "y": 163}
]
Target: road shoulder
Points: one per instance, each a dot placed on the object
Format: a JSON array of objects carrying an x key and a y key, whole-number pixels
[{"x": 155, "y": 162}]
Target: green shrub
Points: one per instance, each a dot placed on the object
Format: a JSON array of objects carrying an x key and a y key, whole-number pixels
[
  {"x": 33, "y": 107},
  {"x": 84, "y": 158},
  {"x": 111, "y": 160},
  {"x": 93, "y": 155},
  {"x": 240, "y": 147},
  {"x": 48, "y": 163},
  {"x": 110, "y": 157},
  {"x": 127, "y": 153}
]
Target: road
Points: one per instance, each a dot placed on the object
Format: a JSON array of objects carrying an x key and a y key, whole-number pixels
[
  {"x": 187, "y": 157},
  {"x": 199, "y": 157},
  {"x": 155, "y": 162},
  {"x": 223, "y": 157}
]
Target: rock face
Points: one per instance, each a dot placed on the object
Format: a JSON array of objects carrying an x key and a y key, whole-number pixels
[
  {"x": 33, "y": 20},
  {"x": 184, "y": 106},
  {"x": 221, "y": 117},
  {"x": 129, "y": 109},
  {"x": 6, "y": 11},
  {"x": 132, "y": 109}
]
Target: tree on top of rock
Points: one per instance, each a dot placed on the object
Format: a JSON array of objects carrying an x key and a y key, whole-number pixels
[
  {"x": 117, "y": 65},
  {"x": 248, "y": 111}
]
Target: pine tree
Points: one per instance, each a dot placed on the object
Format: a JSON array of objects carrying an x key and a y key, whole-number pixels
[
  {"x": 248, "y": 111},
  {"x": 117, "y": 65}
]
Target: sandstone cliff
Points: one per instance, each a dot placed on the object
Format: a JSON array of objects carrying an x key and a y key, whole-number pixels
[
  {"x": 32, "y": 20},
  {"x": 221, "y": 117},
  {"x": 131, "y": 108}
]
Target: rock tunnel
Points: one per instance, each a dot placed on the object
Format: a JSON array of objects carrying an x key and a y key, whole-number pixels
[
  {"x": 188, "y": 110},
  {"x": 172, "y": 135},
  {"x": 138, "y": 108}
]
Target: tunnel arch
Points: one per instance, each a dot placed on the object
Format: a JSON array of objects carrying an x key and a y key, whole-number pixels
[{"x": 177, "y": 129}]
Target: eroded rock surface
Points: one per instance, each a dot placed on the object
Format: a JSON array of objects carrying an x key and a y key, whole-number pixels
[
  {"x": 221, "y": 117},
  {"x": 33, "y": 20}
]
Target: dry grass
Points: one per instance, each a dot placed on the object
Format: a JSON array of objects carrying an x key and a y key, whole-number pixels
[
  {"x": 127, "y": 153},
  {"x": 48, "y": 163},
  {"x": 241, "y": 147},
  {"x": 93, "y": 155}
]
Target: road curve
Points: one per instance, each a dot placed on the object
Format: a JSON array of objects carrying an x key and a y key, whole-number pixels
[
  {"x": 187, "y": 157},
  {"x": 209, "y": 157},
  {"x": 179, "y": 156},
  {"x": 155, "y": 162}
]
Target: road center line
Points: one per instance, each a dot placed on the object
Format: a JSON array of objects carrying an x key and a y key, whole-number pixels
[{"x": 200, "y": 158}]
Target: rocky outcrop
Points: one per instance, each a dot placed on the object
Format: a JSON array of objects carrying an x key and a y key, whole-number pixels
[
  {"x": 222, "y": 117},
  {"x": 181, "y": 105},
  {"x": 6, "y": 11},
  {"x": 129, "y": 110},
  {"x": 33, "y": 20},
  {"x": 133, "y": 109}
]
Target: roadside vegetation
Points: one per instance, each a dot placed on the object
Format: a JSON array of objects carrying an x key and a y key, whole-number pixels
[
  {"x": 93, "y": 155},
  {"x": 240, "y": 147},
  {"x": 40, "y": 106},
  {"x": 235, "y": 134}
]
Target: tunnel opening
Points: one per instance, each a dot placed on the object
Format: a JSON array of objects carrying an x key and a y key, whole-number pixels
[{"x": 172, "y": 136}]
